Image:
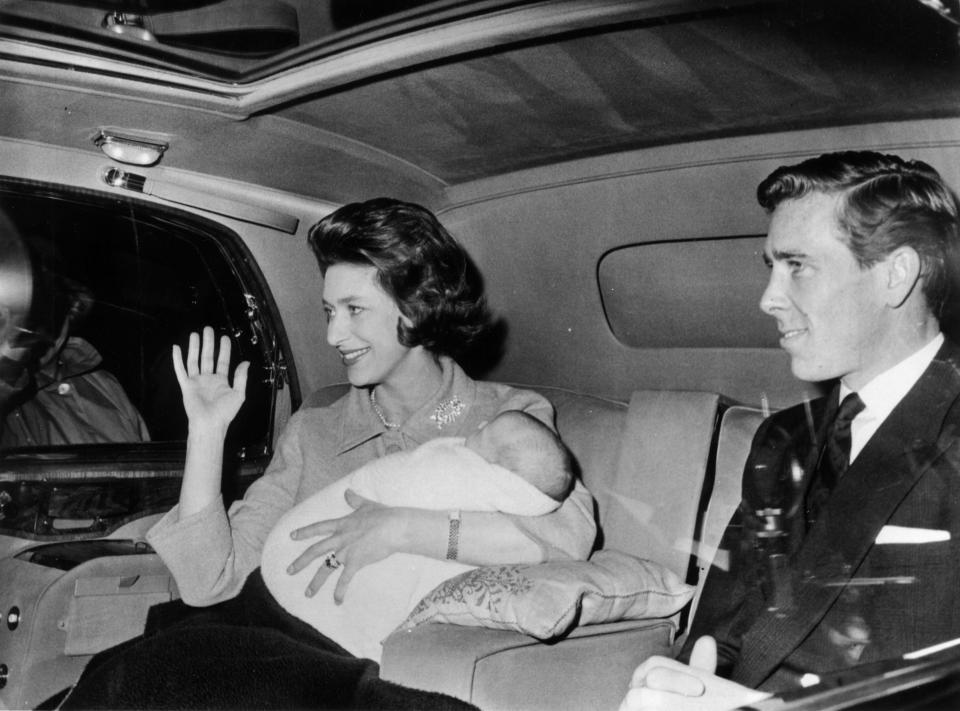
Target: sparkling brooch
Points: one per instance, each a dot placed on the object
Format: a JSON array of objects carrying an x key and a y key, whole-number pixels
[{"x": 447, "y": 411}]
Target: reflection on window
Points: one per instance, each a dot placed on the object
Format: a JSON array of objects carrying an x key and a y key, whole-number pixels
[
  {"x": 112, "y": 286},
  {"x": 93, "y": 293}
]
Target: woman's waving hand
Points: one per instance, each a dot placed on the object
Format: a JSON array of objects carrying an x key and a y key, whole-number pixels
[{"x": 211, "y": 403}]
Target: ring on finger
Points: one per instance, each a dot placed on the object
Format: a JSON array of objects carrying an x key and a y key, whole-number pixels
[{"x": 331, "y": 561}]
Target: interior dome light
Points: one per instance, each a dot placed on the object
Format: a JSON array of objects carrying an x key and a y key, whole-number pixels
[{"x": 130, "y": 150}]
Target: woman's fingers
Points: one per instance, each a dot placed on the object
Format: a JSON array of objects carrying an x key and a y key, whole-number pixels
[
  {"x": 320, "y": 529},
  {"x": 240, "y": 377},
  {"x": 346, "y": 575},
  {"x": 317, "y": 550},
  {"x": 207, "y": 350},
  {"x": 193, "y": 355},
  {"x": 355, "y": 501},
  {"x": 318, "y": 579},
  {"x": 223, "y": 358},
  {"x": 200, "y": 353},
  {"x": 178, "y": 367},
  {"x": 358, "y": 539},
  {"x": 333, "y": 541},
  {"x": 208, "y": 396},
  {"x": 343, "y": 562},
  {"x": 200, "y": 359},
  {"x": 327, "y": 549}
]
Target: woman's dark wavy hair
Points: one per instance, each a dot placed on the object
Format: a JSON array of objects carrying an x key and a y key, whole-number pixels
[
  {"x": 886, "y": 202},
  {"x": 419, "y": 264}
]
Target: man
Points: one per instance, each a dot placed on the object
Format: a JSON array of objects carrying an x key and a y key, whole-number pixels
[
  {"x": 54, "y": 390},
  {"x": 846, "y": 540}
]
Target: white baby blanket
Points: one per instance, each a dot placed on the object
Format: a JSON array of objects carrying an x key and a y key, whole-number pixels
[{"x": 441, "y": 474}]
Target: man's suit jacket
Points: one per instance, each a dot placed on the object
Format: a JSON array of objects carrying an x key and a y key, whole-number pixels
[{"x": 829, "y": 595}]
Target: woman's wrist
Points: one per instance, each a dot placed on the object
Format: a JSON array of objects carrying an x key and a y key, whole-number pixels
[
  {"x": 426, "y": 533},
  {"x": 202, "y": 467},
  {"x": 201, "y": 431}
]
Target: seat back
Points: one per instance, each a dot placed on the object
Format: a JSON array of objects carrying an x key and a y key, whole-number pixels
[
  {"x": 592, "y": 428},
  {"x": 737, "y": 428},
  {"x": 651, "y": 503}
]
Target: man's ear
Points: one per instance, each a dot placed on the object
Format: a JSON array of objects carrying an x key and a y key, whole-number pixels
[{"x": 902, "y": 273}]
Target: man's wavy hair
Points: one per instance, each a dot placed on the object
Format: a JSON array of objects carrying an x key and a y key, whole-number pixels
[
  {"x": 419, "y": 264},
  {"x": 886, "y": 202}
]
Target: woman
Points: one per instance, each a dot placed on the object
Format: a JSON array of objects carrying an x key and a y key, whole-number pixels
[{"x": 402, "y": 302}]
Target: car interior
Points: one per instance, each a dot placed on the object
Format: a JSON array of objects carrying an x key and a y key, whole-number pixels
[{"x": 165, "y": 159}]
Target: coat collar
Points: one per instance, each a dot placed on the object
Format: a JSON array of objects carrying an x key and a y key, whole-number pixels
[
  {"x": 896, "y": 456},
  {"x": 442, "y": 413},
  {"x": 77, "y": 357}
]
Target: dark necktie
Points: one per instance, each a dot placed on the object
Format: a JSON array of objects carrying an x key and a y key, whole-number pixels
[
  {"x": 838, "y": 437},
  {"x": 835, "y": 460}
]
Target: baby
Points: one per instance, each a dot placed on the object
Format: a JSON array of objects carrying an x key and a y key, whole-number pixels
[{"x": 514, "y": 464}]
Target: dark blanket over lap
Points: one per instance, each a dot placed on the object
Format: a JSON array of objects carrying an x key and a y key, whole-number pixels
[{"x": 246, "y": 653}]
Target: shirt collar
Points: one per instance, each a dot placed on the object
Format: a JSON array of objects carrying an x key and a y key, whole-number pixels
[
  {"x": 441, "y": 415},
  {"x": 885, "y": 391}
]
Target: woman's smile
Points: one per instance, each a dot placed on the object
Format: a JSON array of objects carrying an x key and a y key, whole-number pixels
[{"x": 350, "y": 357}]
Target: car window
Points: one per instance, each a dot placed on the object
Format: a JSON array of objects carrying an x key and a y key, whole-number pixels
[
  {"x": 719, "y": 277},
  {"x": 110, "y": 284}
]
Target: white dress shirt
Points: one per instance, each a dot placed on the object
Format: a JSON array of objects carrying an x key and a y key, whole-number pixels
[{"x": 885, "y": 391}]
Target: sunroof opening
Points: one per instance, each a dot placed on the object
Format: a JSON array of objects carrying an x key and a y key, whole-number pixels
[{"x": 225, "y": 39}]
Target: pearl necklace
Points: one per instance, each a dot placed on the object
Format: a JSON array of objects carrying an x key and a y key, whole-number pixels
[{"x": 383, "y": 418}]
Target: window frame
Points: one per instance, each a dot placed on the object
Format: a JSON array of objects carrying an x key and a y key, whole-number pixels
[{"x": 134, "y": 472}]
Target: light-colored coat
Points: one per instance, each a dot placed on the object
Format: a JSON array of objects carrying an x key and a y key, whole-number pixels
[{"x": 212, "y": 552}]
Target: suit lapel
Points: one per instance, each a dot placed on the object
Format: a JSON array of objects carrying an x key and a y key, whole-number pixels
[{"x": 889, "y": 466}]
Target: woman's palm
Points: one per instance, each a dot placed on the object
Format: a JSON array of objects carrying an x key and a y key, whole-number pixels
[{"x": 208, "y": 396}]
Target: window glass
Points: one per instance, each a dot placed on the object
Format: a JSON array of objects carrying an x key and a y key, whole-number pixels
[
  {"x": 715, "y": 306},
  {"x": 93, "y": 293}
]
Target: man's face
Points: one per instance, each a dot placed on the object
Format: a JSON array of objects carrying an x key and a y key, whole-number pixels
[{"x": 832, "y": 314}]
